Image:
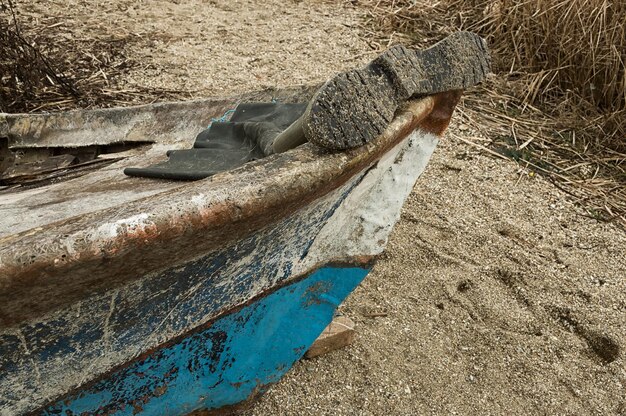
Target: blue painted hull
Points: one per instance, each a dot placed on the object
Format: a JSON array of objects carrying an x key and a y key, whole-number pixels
[{"x": 233, "y": 359}]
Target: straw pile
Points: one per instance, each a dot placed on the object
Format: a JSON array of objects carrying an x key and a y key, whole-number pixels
[
  {"x": 570, "y": 54},
  {"x": 45, "y": 66},
  {"x": 558, "y": 102}
]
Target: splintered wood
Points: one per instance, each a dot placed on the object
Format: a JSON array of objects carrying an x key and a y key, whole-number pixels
[{"x": 338, "y": 334}]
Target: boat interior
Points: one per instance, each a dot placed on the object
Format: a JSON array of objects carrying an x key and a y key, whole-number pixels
[{"x": 59, "y": 165}]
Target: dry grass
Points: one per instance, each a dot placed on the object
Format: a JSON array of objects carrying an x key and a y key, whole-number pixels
[
  {"x": 570, "y": 54},
  {"x": 571, "y": 45},
  {"x": 46, "y": 67},
  {"x": 548, "y": 144},
  {"x": 558, "y": 102}
]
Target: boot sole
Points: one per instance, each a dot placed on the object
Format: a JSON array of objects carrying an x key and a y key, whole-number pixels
[{"x": 356, "y": 106}]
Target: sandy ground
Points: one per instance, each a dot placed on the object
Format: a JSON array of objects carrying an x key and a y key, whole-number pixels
[{"x": 500, "y": 296}]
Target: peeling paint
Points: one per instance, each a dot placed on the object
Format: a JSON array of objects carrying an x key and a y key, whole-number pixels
[
  {"x": 136, "y": 223},
  {"x": 234, "y": 358},
  {"x": 154, "y": 309},
  {"x": 29, "y": 355},
  {"x": 363, "y": 224},
  {"x": 107, "y": 330},
  {"x": 199, "y": 200},
  {"x": 157, "y": 308}
]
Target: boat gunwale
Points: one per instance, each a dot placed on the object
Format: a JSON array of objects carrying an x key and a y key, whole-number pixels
[
  {"x": 42, "y": 269},
  {"x": 51, "y": 129}
]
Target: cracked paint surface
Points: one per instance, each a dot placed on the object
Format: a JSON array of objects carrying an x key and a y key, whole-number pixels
[
  {"x": 234, "y": 358},
  {"x": 106, "y": 336},
  {"x": 77, "y": 344}
]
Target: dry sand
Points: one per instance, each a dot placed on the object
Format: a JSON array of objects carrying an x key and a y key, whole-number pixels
[{"x": 500, "y": 295}]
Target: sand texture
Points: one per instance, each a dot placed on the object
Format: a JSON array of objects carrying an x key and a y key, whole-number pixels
[{"x": 499, "y": 295}]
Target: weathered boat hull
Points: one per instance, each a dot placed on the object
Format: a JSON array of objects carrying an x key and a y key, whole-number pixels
[
  {"x": 202, "y": 296},
  {"x": 226, "y": 362}
]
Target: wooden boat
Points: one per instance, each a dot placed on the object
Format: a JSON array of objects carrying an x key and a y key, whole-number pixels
[{"x": 124, "y": 295}]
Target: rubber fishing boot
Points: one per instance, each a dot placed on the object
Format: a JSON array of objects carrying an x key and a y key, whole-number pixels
[{"x": 356, "y": 106}]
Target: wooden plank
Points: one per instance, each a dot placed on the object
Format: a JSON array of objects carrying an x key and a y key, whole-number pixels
[
  {"x": 338, "y": 334},
  {"x": 32, "y": 170}
]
